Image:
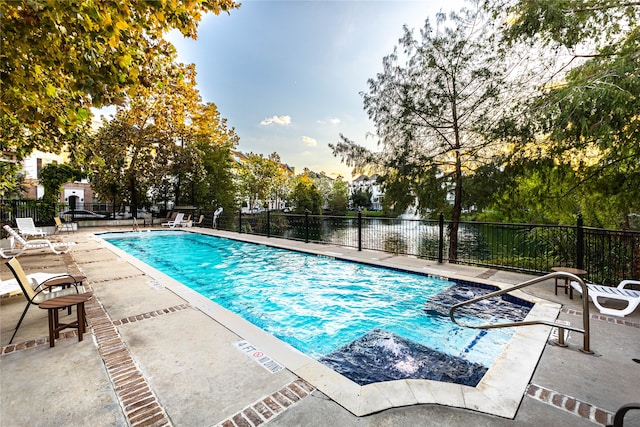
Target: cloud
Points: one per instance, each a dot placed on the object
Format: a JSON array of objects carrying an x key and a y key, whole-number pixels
[
  {"x": 282, "y": 121},
  {"x": 332, "y": 121},
  {"x": 311, "y": 142}
]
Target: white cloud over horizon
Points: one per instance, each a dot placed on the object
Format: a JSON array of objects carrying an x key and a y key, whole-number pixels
[
  {"x": 332, "y": 121},
  {"x": 311, "y": 142},
  {"x": 279, "y": 120}
]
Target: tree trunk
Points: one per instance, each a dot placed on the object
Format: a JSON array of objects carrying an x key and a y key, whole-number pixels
[
  {"x": 457, "y": 212},
  {"x": 134, "y": 196},
  {"x": 177, "y": 191}
]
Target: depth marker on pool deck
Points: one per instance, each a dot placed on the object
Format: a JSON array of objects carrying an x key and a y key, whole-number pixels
[{"x": 265, "y": 361}]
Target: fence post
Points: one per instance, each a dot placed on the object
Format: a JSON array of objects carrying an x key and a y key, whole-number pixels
[
  {"x": 441, "y": 238},
  {"x": 268, "y": 224},
  {"x": 359, "y": 230},
  {"x": 240, "y": 221},
  {"x": 306, "y": 225},
  {"x": 580, "y": 244}
]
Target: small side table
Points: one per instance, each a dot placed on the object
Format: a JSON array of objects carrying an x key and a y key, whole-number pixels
[
  {"x": 64, "y": 281},
  {"x": 578, "y": 272},
  {"x": 52, "y": 305}
]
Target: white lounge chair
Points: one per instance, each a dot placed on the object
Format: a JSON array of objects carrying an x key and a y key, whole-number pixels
[
  {"x": 619, "y": 293},
  {"x": 27, "y": 228},
  {"x": 58, "y": 248},
  {"x": 176, "y": 222}
]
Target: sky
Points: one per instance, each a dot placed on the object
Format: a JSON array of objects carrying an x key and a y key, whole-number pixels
[{"x": 288, "y": 75}]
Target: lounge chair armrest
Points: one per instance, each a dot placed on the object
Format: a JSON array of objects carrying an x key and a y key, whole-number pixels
[
  {"x": 38, "y": 242},
  {"x": 635, "y": 283}
]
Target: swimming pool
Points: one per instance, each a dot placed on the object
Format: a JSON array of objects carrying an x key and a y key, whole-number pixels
[{"x": 346, "y": 315}]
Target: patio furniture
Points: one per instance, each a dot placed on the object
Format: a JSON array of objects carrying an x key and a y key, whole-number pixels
[
  {"x": 10, "y": 286},
  {"x": 619, "y": 293},
  {"x": 199, "y": 222},
  {"x": 176, "y": 222},
  {"x": 27, "y": 228},
  {"x": 53, "y": 305},
  {"x": 577, "y": 271},
  {"x": 68, "y": 285},
  {"x": 63, "y": 226},
  {"x": 57, "y": 247}
]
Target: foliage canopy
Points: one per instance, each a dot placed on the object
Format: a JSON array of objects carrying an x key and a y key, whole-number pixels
[{"x": 58, "y": 59}]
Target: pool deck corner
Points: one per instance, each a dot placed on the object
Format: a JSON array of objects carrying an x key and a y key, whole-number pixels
[{"x": 156, "y": 353}]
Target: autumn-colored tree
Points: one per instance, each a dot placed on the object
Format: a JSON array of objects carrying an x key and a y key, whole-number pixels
[
  {"x": 58, "y": 59},
  {"x": 144, "y": 142},
  {"x": 214, "y": 186}
]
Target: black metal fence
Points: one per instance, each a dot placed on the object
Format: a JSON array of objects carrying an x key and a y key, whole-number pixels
[
  {"x": 43, "y": 213},
  {"x": 608, "y": 256}
]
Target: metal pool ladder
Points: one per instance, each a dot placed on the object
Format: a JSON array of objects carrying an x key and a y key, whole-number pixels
[{"x": 561, "y": 327}]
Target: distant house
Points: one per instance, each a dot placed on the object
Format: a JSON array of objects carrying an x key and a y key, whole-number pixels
[
  {"x": 368, "y": 184},
  {"x": 75, "y": 194}
]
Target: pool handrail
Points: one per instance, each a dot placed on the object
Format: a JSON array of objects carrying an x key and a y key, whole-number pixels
[{"x": 561, "y": 327}]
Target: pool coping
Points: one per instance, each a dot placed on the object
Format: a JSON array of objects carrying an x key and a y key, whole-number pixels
[{"x": 500, "y": 391}]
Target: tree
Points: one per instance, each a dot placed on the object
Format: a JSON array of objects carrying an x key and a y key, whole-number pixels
[
  {"x": 339, "y": 197},
  {"x": 167, "y": 143},
  {"x": 256, "y": 177},
  {"x": 11, "y": 180},
  {"x": 214, "y": 187},
  {"x": 305, "y": 195},
  {"x": 53, "y": 176},
  {"x": 588, "y": 110},
  {"x": 433, "y": 112},
  {"x": 361, "y": 198},
  {"x": 122, "y": 160},
  {"x": 58, "y": 59}
]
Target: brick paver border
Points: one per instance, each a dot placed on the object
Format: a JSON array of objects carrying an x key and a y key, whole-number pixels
[
  {"x": 602, "y": 317},
  {"x": 270, "y": 406},
  {"x": 570, "y": 404}
]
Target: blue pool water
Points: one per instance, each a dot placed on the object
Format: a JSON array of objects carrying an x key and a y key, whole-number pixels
[{"x": 319, "y": 305}]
